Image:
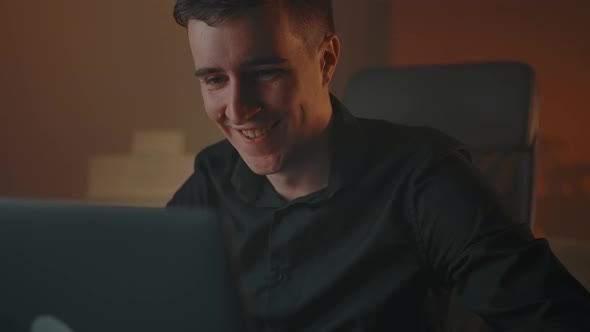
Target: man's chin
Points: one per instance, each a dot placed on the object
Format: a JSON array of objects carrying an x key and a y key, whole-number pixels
[
  {"x": 264, "y": 170},
  {"x": 263, "y": 167}
]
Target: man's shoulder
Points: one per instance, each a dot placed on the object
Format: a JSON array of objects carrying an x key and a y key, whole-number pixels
[
  {"x": 211, "y": 164},
  {"x": 406, "y": 141},
  {"x": 217, "y": 158}
]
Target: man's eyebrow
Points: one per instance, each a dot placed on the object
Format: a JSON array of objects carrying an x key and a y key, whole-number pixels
[
  {"x": 206, "y": 71},
  {"x": 270, "y": 60}
]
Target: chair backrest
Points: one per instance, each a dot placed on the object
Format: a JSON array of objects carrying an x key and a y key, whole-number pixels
[{"x": 489, "y": 107}]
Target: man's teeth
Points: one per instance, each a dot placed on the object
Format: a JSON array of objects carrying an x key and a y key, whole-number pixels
[{"x": 256, "y": 133}]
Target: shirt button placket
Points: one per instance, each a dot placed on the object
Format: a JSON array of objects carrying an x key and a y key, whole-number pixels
[
  {"x": 278, "y": 254},
  {"x": 279, "y": 269},
  {"x": 275, "y": 329},
  {"x": 277, "y": 277}
]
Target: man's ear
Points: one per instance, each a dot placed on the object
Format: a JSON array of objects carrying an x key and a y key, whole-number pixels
[{"x": 329, "y": 57}]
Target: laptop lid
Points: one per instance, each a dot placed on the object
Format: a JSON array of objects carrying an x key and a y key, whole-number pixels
[{"x": 80, "y": 268}]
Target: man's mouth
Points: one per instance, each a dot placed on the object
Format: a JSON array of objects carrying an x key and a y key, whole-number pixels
[{"x": 259, "y": 132}]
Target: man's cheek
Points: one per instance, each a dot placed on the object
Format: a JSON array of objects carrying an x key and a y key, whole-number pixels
[{"x": 214, "y": 110}]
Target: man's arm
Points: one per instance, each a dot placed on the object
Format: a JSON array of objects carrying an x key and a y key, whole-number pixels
[{"x": 501, "y": 272}]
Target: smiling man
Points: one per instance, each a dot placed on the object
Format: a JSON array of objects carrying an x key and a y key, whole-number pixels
[
  {"x": 340, "y": 223},
  {"x": 264, "y": 80}
]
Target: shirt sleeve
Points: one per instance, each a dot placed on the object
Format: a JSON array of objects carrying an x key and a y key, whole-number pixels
[{"x": 494, "y": 263}]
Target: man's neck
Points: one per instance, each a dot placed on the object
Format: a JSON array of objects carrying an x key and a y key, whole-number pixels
[{"x": 309, "y": 172}]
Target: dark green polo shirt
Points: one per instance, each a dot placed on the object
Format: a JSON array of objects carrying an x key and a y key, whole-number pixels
[{"x": 405, "y": 212}]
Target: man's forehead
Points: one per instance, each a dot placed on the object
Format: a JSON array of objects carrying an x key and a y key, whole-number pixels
[
  {"x": 238, "y": 30},
  {"x": 241, "y": 41}
]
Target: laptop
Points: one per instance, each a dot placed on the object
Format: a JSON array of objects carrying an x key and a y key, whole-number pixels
[{"x": 70, "y": 267}]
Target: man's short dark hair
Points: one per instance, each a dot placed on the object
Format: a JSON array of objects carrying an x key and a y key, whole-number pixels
[{"x": 310, "y": 18}]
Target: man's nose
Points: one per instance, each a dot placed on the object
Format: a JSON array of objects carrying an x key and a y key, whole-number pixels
[{"x": 242, "y": 105}]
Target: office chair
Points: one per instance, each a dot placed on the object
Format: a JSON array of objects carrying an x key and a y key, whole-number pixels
[{"x": 490, "y": 107}]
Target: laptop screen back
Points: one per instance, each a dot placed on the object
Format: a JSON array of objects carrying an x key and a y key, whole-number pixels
[{"x": 114, "y": 269}]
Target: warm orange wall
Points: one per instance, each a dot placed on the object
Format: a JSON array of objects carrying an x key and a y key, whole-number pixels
[
  {"x": 552, "y": 36},
  {"x": 78, "y": 78}
]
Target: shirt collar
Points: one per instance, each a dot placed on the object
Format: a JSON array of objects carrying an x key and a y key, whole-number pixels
[{"x": 346, "y": 167}]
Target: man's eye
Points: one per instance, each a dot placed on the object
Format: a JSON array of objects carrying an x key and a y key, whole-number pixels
[
  {"x": 215, "y": 80},
  {"x": 268, "y": 73}
]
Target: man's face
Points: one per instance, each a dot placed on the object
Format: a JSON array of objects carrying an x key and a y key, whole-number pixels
[{"x": 261, "y": 86}]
